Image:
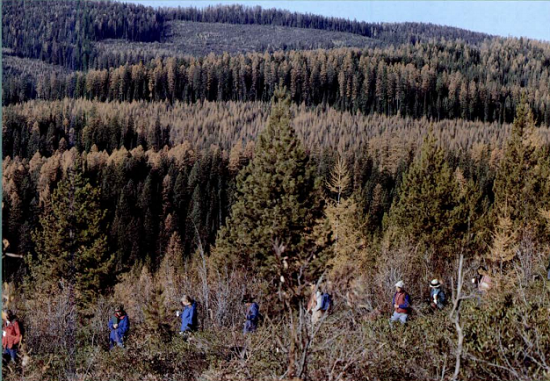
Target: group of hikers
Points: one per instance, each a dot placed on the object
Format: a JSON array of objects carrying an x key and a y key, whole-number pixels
[
  {"x": 318, "y": 306},
  {"x": 120, "y": 324},
  {"x": 402, "y": 301}
]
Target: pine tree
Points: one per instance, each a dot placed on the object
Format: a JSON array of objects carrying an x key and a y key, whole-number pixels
[
  {"x": 429, "y": 210},
  {"x": 147, "y": 203},
  {"x": 543, "y": 170},
  {"x": 170, "y": 266},
  {"x": 517, "y": 184},
  {"x": 71, "y": 244},
  {"x": 277, "y": 201},
  {"x": 157, "y": 317}
]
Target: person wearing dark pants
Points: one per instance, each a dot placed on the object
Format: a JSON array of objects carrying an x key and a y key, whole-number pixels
[
  {"x": 11, "y": 336},
  {"x": 438, "y": 298}
]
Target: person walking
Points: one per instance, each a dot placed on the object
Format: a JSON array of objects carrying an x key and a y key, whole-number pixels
[
  {"x": 322, "y": 305},
  {"x": 252, "y": 315},
  {"x": 188, "y": 315},
  {"x": 401, "y": 304},
  {"x": 483, "y": 282},
  {"x": 11, "y": 335},
  {"x": 437, "y": 295}
]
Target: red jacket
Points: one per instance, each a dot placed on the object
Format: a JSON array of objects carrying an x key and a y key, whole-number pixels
[
  {"x": 13, "y": 334},
  {"x": 403, "y": 300}
]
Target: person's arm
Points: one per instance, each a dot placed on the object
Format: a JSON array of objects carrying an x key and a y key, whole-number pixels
[
  {"x": 194, "y": 318},
  {"x": 123, "y": 326},
  {"x": 319, "y": 303},
  {"x": 252, "y": 312},
  {"x": 407, "y": 302},
  {"x": 17, "y": 332},
  {"x": 310, "y": 302},
  {"x": 111, "y": 324}
]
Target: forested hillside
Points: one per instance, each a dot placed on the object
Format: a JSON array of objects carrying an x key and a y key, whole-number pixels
[
  {"x": 236, "y": 154},
  {"x": 28, "y": 31},
  {"x": 437, "y": 80}
]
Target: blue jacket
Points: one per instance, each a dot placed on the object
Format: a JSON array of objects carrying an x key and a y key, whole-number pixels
[
  {"x": 189, "y": 318},
  {"x": 117, "y": 334},
  {"x": 252, "y": 316},
  {"x": 441, "y": 299}
]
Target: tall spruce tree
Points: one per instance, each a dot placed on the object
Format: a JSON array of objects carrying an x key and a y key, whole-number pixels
[
  {"x": 156, "y": 316},
  {"x": 517, "y": 184},
  {"x": 71, "y": 243},
  {"x": 429, "y": 210},
  {"x": 277, "y": 201},
  {"x": 520, "y": 187}
]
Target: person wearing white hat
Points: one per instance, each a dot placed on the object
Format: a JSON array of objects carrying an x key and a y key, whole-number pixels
[
  {"x": 401, "y": 304},
  {"x": 437, "y": 295}
]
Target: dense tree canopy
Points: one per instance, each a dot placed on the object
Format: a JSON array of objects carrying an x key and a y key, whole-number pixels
[
  {"x": 435, "y": 80},
  {"x": 61, "y": 32}
]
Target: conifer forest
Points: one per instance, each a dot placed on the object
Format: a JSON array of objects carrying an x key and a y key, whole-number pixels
[{"x": 234, "y": 192}]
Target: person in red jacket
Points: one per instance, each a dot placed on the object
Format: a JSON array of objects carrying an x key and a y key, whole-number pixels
[
  {"x": 401, "y": 304},
  {"x": 11, "y": 335}
]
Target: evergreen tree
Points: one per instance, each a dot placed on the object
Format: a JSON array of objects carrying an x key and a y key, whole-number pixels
[
  {"x": 429, "y": 210},
  {"x": 147, "y": 203},
  {"x": 156, "y": 316},
  {"x": 125, "y": 228},
  {"x": 71, "y": 244},
  {"x": 520, "y": 188},
  {"x": 277, "y": 201},
  {"x": 168, "y": 273},
  {"x": 517, "y": 182}
]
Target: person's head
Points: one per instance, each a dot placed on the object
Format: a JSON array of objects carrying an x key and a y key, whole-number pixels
[
  {"x": 10, "y": 316},
  {"x": 248, "y": 300},
  {"x": 186, "y": 300},
  {"x": 482, "y": 270},
  {"x": 399, "y": 286},
  {"x": 435, "y": 283},
  {"x": 119, "y": 311}
]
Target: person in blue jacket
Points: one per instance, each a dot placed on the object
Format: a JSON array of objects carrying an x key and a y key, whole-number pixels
[
  {"x": 252, "y": 315},
  {"x": 437, "y": 295},
  {"x": 119, "y": 326},
  {"x": 188, "y": 315}
]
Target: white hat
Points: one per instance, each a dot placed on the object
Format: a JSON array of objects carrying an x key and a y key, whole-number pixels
[
  {"x": 435, "y": 283},
  {"x": 400, "y": 284}
]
